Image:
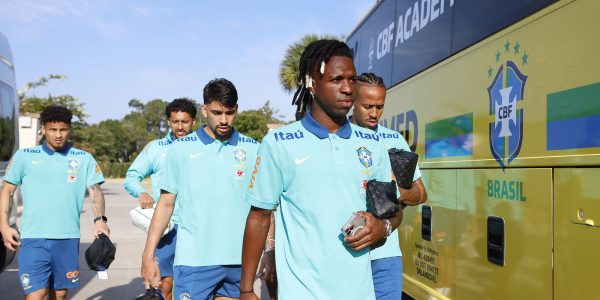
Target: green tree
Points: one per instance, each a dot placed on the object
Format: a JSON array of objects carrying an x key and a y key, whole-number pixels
[
  {"x": 252, "y": 123},
  {"x": 288, "y": 70},
  {"x": 154, "y": 113},
  {"x": 271, "y": 114},
  {"x": 34, "y": 104},
  {"x": 41, "y": 81}
]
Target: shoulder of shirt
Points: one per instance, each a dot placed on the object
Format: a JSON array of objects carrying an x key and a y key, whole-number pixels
[
  {"x": 246, "y": 139},
  {"x": 190, "y": 137},
  {"x": 77, "y": 152},
  {"x": 290, "y": 128},
  {"x": 162, "y": 142},
  {"x": 364, "y": 133},
  {"x": 30, "y": 150}
]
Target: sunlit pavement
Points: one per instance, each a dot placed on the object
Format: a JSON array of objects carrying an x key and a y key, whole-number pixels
[{"x": 124, "y": 280}]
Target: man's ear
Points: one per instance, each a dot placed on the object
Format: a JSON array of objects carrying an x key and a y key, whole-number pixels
[{"x": 203, "y": 110}]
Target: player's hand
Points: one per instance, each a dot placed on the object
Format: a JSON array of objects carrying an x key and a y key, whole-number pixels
[
  {"x": 146, "y": 200},
  {"x": 10, "y": 238},
  {"x": 266, "y": 269},
  {"x": 101, "y": 227},
  {"x": 373, "y": 232},
  {"x": 248, "y": 296},
  {"x": 150, "y": 272}
]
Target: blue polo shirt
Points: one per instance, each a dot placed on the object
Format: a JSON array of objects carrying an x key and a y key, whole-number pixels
[
  {"x": 210, "y": 179},
  {"x": 318, "y": 179},
  {"x": 53, "y": 186},
  {"x": 150, "y": 162},
  {"x": 392, "y": 139}
]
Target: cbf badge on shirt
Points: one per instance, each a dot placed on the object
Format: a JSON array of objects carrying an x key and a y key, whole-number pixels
[
  {"x": 73, "y": 165},
  {"x": 240, "y": 157}
]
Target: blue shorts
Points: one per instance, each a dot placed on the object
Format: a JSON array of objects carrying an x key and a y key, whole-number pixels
[
  {"x": 46, "y": 263},
  {"x": 387, "y": 278},
  {"x": 207, "y": 282},
  {"x": 165, "y": 253}
]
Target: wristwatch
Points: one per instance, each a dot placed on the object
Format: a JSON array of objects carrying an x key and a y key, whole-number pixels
[
  {"x": 388, "y": 227},
  {"x": 103, "y": 218}
]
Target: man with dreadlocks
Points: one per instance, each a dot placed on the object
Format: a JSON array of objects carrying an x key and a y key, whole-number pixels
[
  {"x": 386, "y": 261},
  {"x": 316, "y": 170}
]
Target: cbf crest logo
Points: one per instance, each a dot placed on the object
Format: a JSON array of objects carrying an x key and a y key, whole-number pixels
[
  {"x": 240, "y": 155},
  {"x": 25, "y": 281},
  {"x": 364, "y": 156},
  {"x": 506, "y": 91},
  {"x": 73, "y": 164}
]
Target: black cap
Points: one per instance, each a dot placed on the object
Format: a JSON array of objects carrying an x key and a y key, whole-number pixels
[{"x": 100, "y": 254}]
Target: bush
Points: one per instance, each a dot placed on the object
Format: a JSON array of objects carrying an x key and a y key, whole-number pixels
[{"x": 114, "y": 169}]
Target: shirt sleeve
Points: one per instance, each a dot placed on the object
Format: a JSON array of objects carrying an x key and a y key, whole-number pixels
[
  {"x": 139, "y": 169},
  {"x": 383, "y": 171},
  {"x": 15, "y": 169},
  {"x": 266, "y": 183},
  {"x": 169, "y": 179},
  {"x": 94, "y": 173}
]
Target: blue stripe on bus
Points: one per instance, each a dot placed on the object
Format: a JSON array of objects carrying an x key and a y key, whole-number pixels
[
  {"x": 460, "y": 145},
  {"x": 575, "y": 133}
]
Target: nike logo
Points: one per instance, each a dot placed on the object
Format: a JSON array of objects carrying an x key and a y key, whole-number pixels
[
  {"x": 75, "y": 279},
  {"x": 192, "y": 156},
  {"x": 36, "y": 162},
  {"x": 300, "y": 161}
]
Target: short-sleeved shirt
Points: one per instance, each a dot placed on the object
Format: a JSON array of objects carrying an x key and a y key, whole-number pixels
[
  {"x": 392, "y": 139},
  {"x": 210, "y": 179},
  {"x": 150, "y": 162},
  {"x": 53, "y": 186},
  {"x": 318, "y": 179}
]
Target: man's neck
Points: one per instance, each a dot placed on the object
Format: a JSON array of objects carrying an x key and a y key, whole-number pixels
[
  {"x": 332, "y": 124},
  {"x": 215, "y": 137}
]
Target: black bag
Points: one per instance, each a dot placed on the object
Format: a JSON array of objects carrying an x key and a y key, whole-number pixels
[
  {"x": 404, "y": 164},
  {"x": 381, "y": 199},
  {"x": 151, "y": 294},
  {"x": 100, "y": 254}
]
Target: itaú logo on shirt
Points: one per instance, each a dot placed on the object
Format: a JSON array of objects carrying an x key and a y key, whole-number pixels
[{"x": 254, "y": 172}]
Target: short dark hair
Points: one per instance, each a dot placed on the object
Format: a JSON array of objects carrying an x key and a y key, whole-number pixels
[
  {"x": 370, "y": 78},
  {"x": 222, "y": 90},
  {"x": 315, "y": 54},
  {"x": 56, "y": 113},
  {"x": 182, "y": 105}
]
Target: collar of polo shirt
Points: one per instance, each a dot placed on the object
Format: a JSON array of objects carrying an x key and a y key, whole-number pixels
[
  {"x": 321, "y": 132},
  {"x": 207, "y": 139},
  {"x": 49, "y": 151}
]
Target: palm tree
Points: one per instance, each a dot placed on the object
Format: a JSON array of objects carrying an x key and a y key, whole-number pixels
[{"x": 288, "y": 71}]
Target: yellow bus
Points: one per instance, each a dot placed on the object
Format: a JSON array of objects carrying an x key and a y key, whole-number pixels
[{"x": 501, "y": 100}]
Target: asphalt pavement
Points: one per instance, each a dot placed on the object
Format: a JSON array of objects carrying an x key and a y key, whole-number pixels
[{"x": 124, "y": 280}]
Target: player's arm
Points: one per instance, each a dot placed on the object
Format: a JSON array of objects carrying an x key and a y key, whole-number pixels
[
  {"x": 139, "y": 169},
  {"x": 375, "y": 230},
  {"x": 98, "y": 208},
  {"x": 158, "y": 225},
  {"x": 255, "y": 235},
  {"x": 266, "y": 270},
  {"x": 415, "y": 195},
  {"x": 10, "y": 236}
]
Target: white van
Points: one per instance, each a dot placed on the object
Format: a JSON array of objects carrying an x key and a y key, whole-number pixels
[{"x": 9, "y": 115}]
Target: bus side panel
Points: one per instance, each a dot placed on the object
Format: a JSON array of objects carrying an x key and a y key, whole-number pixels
[
  {"x": 429, "y": 266},
  {"x": 577, "y": 242},
  {"x": 447, "y": 113},
  {"x": 521, "y": 200}
]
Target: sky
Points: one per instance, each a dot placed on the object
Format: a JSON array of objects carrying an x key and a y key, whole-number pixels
[{"x": 114, "y": 51}]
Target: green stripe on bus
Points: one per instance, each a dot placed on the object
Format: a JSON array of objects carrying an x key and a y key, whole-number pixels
[
  {"x": 455, "y": 126},
  {"x": 579, "y": 102}
]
